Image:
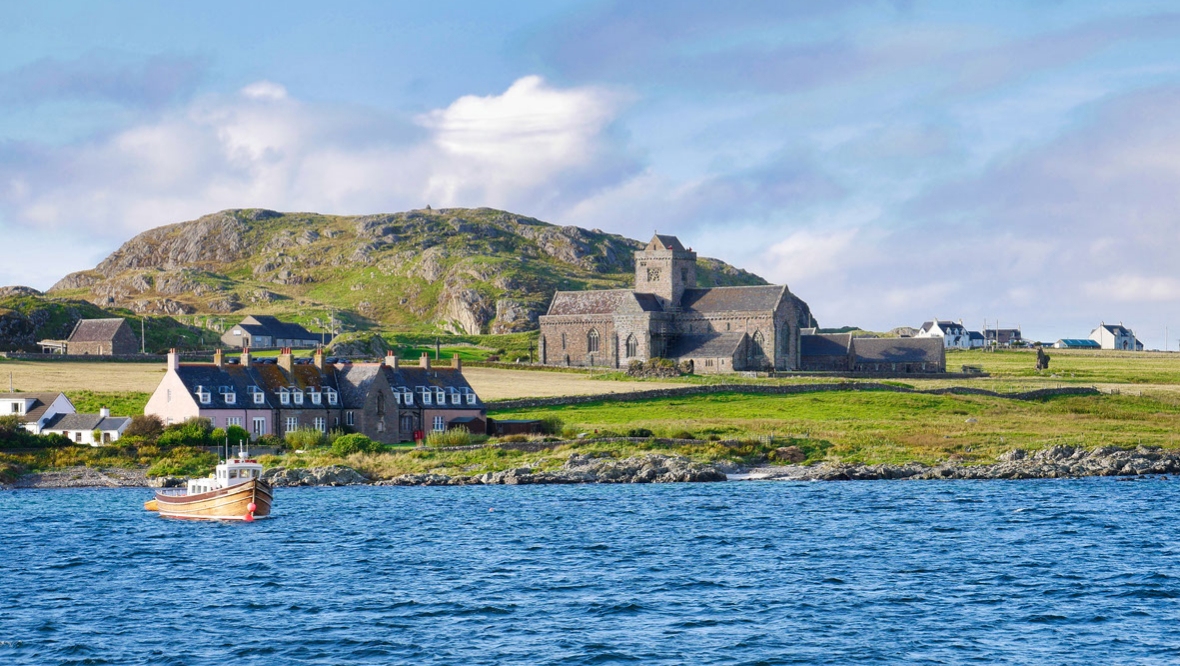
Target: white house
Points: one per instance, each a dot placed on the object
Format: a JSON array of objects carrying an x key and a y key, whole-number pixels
[
  {"x": 35, "y": 409},
  {"x": 1111, "y": 336},
  {"x": 83, "y": 428},
  {"x": 954, "y": 335}
]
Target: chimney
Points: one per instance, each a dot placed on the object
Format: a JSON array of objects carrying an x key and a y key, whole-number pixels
[
  {"x": 104, "y": 412},
  {"x": 456, "y": 363},
  {"x": 218, "y": 359},
  {"x": 424, "y": 361},
  {"x": 173, "y": 360},
  {"x": 319, "y": 358},
  {"x": 245, "y": 360},
  {"x": 391, "y": 359},
  {"x": 285, "y": 360}
]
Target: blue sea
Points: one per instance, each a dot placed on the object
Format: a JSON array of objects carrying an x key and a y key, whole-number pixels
[{"x": 1024, "y": 572}]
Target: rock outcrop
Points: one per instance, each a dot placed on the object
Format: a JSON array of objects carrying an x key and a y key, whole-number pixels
[
  {"x": 333, "y": 475},
  {"x": 651, "y": 468},
  {"x": 1056, "y": 462}
]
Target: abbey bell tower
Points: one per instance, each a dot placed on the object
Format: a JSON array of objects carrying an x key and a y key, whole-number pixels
[{"x": 664, "y": 268}]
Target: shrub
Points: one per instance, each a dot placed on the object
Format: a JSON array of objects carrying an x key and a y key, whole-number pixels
[
  {"x": 193, "y": 432},
  {"x": 12, "y": 435},
  {"x": 355, "y": 443},
  {"x": 218, "y": 436},
  {"x": 147, "y": 426},
  {"x": 305, "y": 438},
  {"x": 456, "y": 437},
  {"x": 271, "y": 441},
  {"x": 237, "y": 434},
  {"x": 639, "y": 432},
  {"x": 683, "y": 434},
  {"x": 552, "y": 425},
  {"x": 184, "y": 461}
]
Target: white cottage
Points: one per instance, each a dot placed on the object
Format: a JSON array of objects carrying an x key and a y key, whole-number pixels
[
  {"x": 954, "y": 335},
  {"x": 92, "y": 429},
  {"x": 1110, "y": 336},
  {"x": 35, "y": 410}
]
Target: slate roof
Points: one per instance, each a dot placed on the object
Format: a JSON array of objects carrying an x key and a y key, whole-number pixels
[
  {"x": 974, "y": 335},
  {"x": 946, "y": 325},
  {"x": 87, "y": 422},
  {"x": 1117, "y": 329},
  {"x": 95, "y": 330},
  {"x": 824, "y": 344},
  {"x": 412, "y": 377},
  {"x": 720, "y": 345},
  {"x": 603, "y": 301},
  {"x": 41, "y": 402},
  {"x": 276, "y": 328},
  {"x": 897, "y": 350},
  {"x": 665, "y": 242},
  {"x": 355, "y": 381},
  {"x": 733, "y": 299}
]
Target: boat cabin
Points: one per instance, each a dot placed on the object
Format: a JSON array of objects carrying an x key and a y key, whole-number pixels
[{"x": 229, "y": 473}]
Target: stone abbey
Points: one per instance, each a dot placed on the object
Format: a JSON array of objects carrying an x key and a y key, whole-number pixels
[{"x": 718, "y": 329}]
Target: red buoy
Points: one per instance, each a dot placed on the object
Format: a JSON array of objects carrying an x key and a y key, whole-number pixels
[
  {"x": 250, "y": 517},
  {"x": 251, "y": 507}
]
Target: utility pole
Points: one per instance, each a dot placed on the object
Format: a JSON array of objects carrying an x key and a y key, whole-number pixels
[{"x": 142, "y": 339}]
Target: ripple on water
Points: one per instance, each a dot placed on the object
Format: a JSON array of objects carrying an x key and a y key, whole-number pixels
[{"x": 751, "y": 573}]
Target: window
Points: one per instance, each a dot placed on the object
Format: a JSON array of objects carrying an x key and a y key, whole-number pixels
[
  {"x": 381, "y": 404},
  {"x": 285, "y": 396},
  {"x": 425, "y": 396},
  {"x": 292, "y": 424},
  {"x": 350, "y": 418},
  {"x": 632, "y": 346},
  {"x": 316, "y": 397},
  {"x": 335, "y": 421},
  {"x": 233, "y": 421},
  {"x": 298, "y": 395},
  {"x": 397, "y": 397},
  {"x": 592, "y": 341},
  {"x": 259, "y": 425},
  {"x": 440, "y": 424},
  {"x": 440, "y": 396},
  {"x": 77, "y": 437},
  {"x": 213, "y": 421},
  {"x": 229, "y": 395},
  {"x": 470, "y": 398},
  {"x": 169, "y": 395},
  {"x": 381, "y": 426},
  {"x": 333, "y": 396},
  {"x": 455, "y": 398},
  {"x": 259, "y": 396},
  {"x": 204, "y": 395},
  {"x": 321, "y": 424},
  {"x": 563, "y": 340},
  {"x": 407, "y": 397}
]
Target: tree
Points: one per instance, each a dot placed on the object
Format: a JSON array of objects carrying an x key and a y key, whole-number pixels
[{"x": 147, "y": 426}]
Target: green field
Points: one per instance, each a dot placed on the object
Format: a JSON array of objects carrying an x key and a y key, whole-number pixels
[{"x": 880, "y": 426}]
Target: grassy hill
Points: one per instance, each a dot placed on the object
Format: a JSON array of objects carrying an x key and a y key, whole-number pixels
[{"x": 467, "y": 271}]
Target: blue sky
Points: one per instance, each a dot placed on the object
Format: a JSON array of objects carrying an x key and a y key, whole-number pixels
[{"x": 890, "y": 161}]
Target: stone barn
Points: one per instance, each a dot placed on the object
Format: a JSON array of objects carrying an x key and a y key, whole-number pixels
[{"x": 102, "y": 337}]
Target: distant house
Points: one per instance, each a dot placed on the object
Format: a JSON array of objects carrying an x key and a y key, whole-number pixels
[
  {"x": 845, "y": 353},
  {"x": 263, "y": 331},
  {"x": 954, "y": 335},
  {"x": 1111, "y": 336},
  {"x": 82, "y": 428},
  {"x": 904, "y": 332},
  {"x": 1077, "y": 343},
  {"x": 1003, "y": 337},
  {"x": 35, "y": 410},
  {"x": 976, "y": 340},
  {"x": 96, "y": 337},
  {"x": 388, "y": 402}
]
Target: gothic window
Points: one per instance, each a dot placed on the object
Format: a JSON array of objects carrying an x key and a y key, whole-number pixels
[
  {"x": 544, "y": 349},
  {"x": 632, "y": 346},
  {"x": 592, "y": 341},
  {"x": 653, "y": 275},
  {"x": 380, "y": 404},
  {"x": 563, "y": 340}
]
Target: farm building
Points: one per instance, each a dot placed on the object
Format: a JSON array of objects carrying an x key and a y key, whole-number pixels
[
  {"x": 96, "y": 337},
  {"x": 264, "y": 332},
  {"x": 1076, "y": 343},
  {"x": 845, "y": 353}
]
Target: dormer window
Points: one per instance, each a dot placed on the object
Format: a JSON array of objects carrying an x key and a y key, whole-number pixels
[
  {"x": 316, "y": 397},
  {"x": 203, "y": 395},
  {"x": 333, "y": 396},
  {"x": 298, "y": 395},
  {"x": 285, "y": 396},
  {"x": 440, "y": 396},
  {"x": 259, "y": 396},
  {"x": 454, "y": 395},
  {"x": 228, "y": 394},
  {"x": 407, "y": 397},
  {"x": 426, "y": 396},
  {"x": 470, "y": 396}
]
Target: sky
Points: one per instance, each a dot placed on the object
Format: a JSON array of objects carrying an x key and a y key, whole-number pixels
[{"x": 890, "y": 161}]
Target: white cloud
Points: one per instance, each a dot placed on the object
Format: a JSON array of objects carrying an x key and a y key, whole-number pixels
[
  {"x": 1134, "y": 289},
  {"x": 808, "y": 254},
  {"x": 534, "y": 149}
]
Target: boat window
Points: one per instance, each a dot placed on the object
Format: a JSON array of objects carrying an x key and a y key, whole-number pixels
[{"x": 233, "y": 474}]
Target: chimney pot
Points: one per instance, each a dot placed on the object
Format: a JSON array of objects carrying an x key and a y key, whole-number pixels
[
  {"x": 104, "y": 412},
  {"x": 173, "y": 360},
  {"x": 391, "y": 360},
  {"x": 424, "y": 361}
]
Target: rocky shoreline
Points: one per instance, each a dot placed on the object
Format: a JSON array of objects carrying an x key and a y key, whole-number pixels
[{"x": 1056, "y": 462}]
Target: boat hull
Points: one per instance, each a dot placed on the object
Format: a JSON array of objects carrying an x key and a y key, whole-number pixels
[{"x": 223, "y": 504}]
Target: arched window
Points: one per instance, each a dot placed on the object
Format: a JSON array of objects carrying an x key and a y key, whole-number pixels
[
  {"x": 632, "y": 346},
  {"x": 592, "y": 341},
  {"x": 563, "y": 340},
  {"x": 380, "y": 404}
]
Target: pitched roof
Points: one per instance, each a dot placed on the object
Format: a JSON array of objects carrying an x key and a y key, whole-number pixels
[
  {"x": 664, "y": 242},
  {"x": 897, "y": 350},
  {"x": 825, "y": 344},
  {"x": 1117, "y": 329},
  {"x": 603, "y": 301},
  {"x": 974, "y": 335},
  {"x": 945, "y": 324},
  {"x": 96, "y": 330},
  {"x": 41, "y": 402},
  {"x": 762, "y": 298},
  {"x": 443, "y": 377},
  {"x": 87, "y": 422},
  {"x": 720, "y": 345},
  {"x": 1078, "y": 342},
  {"x": 277, "y": 328},
  {"x": 355, "y": 380}
]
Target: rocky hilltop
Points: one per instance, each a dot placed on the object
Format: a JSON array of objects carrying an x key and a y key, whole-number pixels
[{"x": 464, "y": 270}]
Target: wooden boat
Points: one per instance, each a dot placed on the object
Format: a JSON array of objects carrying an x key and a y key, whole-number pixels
[{"x": 234, "y": 491}]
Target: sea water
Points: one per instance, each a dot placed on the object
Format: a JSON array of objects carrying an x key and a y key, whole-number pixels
[{"x": 1056, "y": 571}]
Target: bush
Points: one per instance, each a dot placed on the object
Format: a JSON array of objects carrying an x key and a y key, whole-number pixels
[
  {"x": 12, "y": 435},
  {"x": 683, "y": 434},
  {"x": 640, "y": 432},
  {"x": 237, "y": 434},
  {"x": 147, "y": 426},
  {"x": 184, "y": 461},
  {"x": 456, "y": 437},
  {"x": 271, "y": 441},
  {"x": 345, "y": 445},
  {"x": 552, "y": 425},
  {"x": 306, "y": 438},
  {"x": 193, "y": 432}
]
